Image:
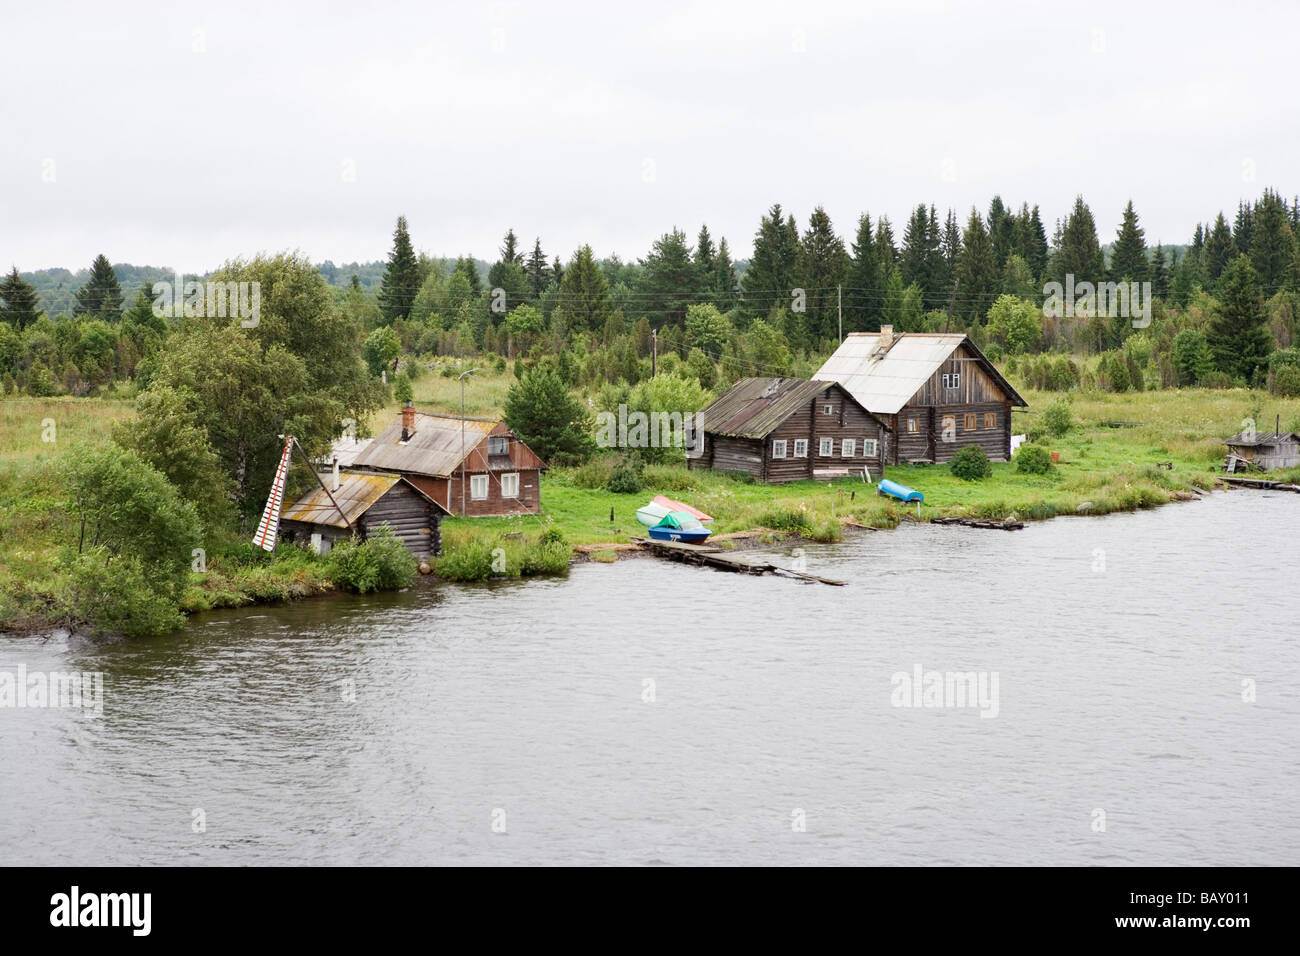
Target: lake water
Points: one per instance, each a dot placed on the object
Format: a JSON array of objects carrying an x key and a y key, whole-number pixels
[{"x": 649, "y": 713}]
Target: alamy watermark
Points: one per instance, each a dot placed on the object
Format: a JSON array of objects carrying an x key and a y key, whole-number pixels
[
  {"x": 208, "y": 300},
  {"x": 626, "y": 429},
  {"x": 943, "y": 689},
  {"x": 1086, "y": 300},
  {"x": 83, "y": 690}
]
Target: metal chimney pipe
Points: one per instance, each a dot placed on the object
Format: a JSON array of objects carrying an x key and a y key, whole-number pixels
[{"x": 336, "y": 474}]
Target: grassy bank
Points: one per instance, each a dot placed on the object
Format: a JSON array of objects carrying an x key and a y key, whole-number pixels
[{"x": 1108, "y": 462}]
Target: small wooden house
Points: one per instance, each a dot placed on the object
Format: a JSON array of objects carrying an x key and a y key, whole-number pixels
[
  {"x": 361, "y": 502},
  {"x": 470, "y": 466},
  {"x": 1262, "y": 450},
  {"x": 788, "y": 429},
  {"x": 936, "y": 392}
]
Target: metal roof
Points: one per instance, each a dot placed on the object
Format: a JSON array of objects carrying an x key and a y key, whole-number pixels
[
  {"x": 1255, "y": 439},
  {"x": 884, "y": 383},
  {"x": 355, "y": 495},
  {"x": 434, "y": 449},
  {"x": 753, "y": 407}
]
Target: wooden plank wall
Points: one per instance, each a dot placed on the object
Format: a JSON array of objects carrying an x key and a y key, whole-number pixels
[{"x": 413, "y": 519}]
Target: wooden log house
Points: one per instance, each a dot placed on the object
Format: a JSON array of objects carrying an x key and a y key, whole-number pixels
[
  {"x": 361, "y": 502},
  {"x": 789, "y": 429},
  {"x": 937, "y": 393}
]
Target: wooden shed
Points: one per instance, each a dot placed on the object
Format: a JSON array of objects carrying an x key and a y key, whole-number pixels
[
  {"x": 1262, "y": 450},
  {"x": 501, "y": 475},
  {"x": 368, "y": 500},
  {"x": 789, "y": 429},
  {"x": 936, "y": 392}
]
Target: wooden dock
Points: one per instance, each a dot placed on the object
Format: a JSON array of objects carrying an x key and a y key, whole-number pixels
[
  {"x": 1263, "y": 484},
  {"x": 707, "y": 555}
]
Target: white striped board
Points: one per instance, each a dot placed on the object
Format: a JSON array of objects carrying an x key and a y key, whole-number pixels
[{"x": 268, "y": 529}]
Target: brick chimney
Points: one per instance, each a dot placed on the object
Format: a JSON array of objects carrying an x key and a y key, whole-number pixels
[
  {"x": 408, "y": 420},
  {"x": 886, "y": 338}
]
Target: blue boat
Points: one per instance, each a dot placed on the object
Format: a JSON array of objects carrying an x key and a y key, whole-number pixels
[
  {"x": 901, "y": 492},
  {"x": 680, "y": 526}
]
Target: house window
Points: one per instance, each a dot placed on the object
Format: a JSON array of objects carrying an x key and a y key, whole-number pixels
[
  {"x": 828, "y": 409},
  {"x": 990, "y": 419},
  {"x": 969, "y": 422},
  {"x": 510, "y": 485},
  {"x": 826, "y": 447},
  {"x": 801, "y": 448},
  {"x": 911, "y": 426},
  {"x": 847, "y": 447},
  {"x": 948, "y": 426},
  {"x": 868, "y": 448},
  {"x": 478, "y": 487},
  {"x": 498, "y": 445},
  {"x": 952, "y": 379},
  {"x": 778, "y": 448}
]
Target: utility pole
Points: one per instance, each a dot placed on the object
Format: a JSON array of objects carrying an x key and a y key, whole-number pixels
[
  {"x": 462, "y": 437},
  {"x": 654, "y": 352},
  {"x": 839, "y": 307}
]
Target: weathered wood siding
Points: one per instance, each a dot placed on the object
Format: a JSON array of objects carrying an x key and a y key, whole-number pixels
[
  {"x": 735, "y": 454},
  {"x": 446, "y": 491},
  {"x": 976, "y": 393},
  {"x": 975, "y": 386},
  {"x": 415, "y": 521},
  {"x": 847, "y": 419},
  {"x": 798, "y": 427}
]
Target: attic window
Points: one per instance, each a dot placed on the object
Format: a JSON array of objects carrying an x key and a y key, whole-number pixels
[
  {"x": 498, "y": 445},
  {"x": 828, "y": 409},
  {"x": 952, "y": 379}
]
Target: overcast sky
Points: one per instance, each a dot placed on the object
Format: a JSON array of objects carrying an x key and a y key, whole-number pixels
[{"x": 186, "y": 134}]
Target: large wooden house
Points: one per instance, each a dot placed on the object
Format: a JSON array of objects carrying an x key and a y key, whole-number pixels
[
  {"x": 788, "y": 429},
  {"x": 470, "y": 466},
  {"x": 360, "y": 503},
  {"x": 937, "y": 393}
]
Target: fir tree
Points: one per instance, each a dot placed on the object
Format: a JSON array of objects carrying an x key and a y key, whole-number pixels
[
  {"x": 510, "y": 249},
  {"x": 1237, "y": 334},
  {"x": 977, "y": 270},
  {"x": 1159, "y": 273},
  {"x": 539, "y": 274},
  {"x": 1218, "y": 248},
  {"x": 823, "y": 265},
  {"x": 1034, "y": 249},
  {"x": 21, "y": 304},
  {"x": 725, "y": 283},
  {"x": 1128, "y": 257},
  {"x": 886, "y": 250},
  {"x": 863, "y": 298},
  {"x": 1079, "y": 254},
  {"x": 401, "y": 279},
  {"x": 771, "y": 274},
  {"x": 584, "y": 294},
  {"x": 1273, "y": 245},
  {"x": 670, "y": 280},
  {"x": 1243, "y": 228},
  {"x": 101, "y": 296}
]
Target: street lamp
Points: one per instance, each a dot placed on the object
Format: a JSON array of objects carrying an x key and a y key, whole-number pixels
[{"x": 462, "y": 436}]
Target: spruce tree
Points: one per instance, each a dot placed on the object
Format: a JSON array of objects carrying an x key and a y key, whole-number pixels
[
  {"x": 1273, "y": 245},
  {"x": 914, "y": 257},
  {"x": 670, "y": 281},
  {"x": 725, "y": 282},
  {"x": 1243, "y": 228},
  {"x": 584, "y": 294},
  {"x": 20, "y": 303},
  {"x": 101, "y": 296},
  {"x": 1218, "y": 248},
  {"x": 770, "y": 278},
  {"x": 1079, "y": 254},
  {"x": 863, "y": 298},
  {"x": 510, "y": 249},
  {"x": 950, "y": 245},
  {"x": 1237, "y": 334},
  {"x": 886, "y": 250},
  {"x": 1159, "y": 273},
  {"x": 978, "y": 271},
  {"x": 401, "y": 279},
  {"x": 1034, "y": 250},
  {"x": 1128, "y": 257},
  {"x": 539, "y": 274},
  {"x": 823, "y": 265}
]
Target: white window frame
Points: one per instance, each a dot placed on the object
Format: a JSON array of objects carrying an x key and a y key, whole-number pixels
[
  {"x": 826, "y": 447},
  {"x": 801, "y": 448},
  {"x": 870, "y": 449},
  {"x": 848, "y": 447},
  {"x": 828, "y": 409},
  {"x": 952, "y": 379},
  {"x": 510, "y": 485},
  {"x": 912, "y": 426},
  {"x": 475, "y": 483},
  {"x": 778, "y": 447}
]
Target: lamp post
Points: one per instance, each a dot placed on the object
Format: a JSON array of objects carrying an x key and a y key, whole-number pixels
[{"x": 462, "y": 437}]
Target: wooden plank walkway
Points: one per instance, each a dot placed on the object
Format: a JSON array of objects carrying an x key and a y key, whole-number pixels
[
  {"x": 981, "y": 523},
  {"x": 706, "y": 555}
]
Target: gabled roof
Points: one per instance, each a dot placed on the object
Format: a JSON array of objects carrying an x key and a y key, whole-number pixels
[
  {"x": 885, "y": 383},
  {"x": 754, "y": 407},
  {"x": 1255, "y": 439},
  {"x": 355, "y": 494},
  {"x": 435, "y": 448}
]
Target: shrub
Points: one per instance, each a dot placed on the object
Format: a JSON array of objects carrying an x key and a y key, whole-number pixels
[
  {"x": 626, "y": 479},
  {"x": 971, "y": 464},
  {"x": 116, "y": 596},
  {"x": 669, "y": 477},
  {"x": 380, "y": 563},
  {"x": 549, "y": 555},
  {"x": 1033, "y": 460},
  {"x": 1286, "y": 381},
  {"x": 1056, "y": 418},
  {"x": 469, "y": 562},
  {"x": 402, "y": 390},
  {"x": 593, "y": 475},
  {"x": 794, "y": 520}
]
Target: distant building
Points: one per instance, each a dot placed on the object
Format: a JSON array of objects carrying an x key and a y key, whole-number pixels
[
  {"x": 360, "y": 502},
  {"x": 936, "y": 392},
  {"x": 789, "y": 429},
  {"x": 501, "y": 475},
  {"x": 1262, "y": 450}
]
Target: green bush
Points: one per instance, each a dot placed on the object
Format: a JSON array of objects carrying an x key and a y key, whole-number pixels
[
  {"x": 1033, "y": 460},
  {"x": 794, "y": 520},
  {"x": 116, "y": 596},
  {"x": 626, "y": 479},
  {"x": 546, "y": 556},
  {"x": 469, "y": 562},
  {"x": 593, "y": 475},
  {"x": 380, "y": 563},
  {"x": 669, "y": 478},
  {"x": 1056, "y": 418},
  {"x": 971, "y": 464}
]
